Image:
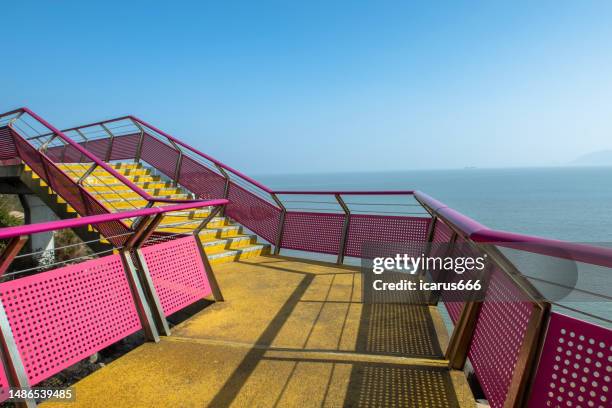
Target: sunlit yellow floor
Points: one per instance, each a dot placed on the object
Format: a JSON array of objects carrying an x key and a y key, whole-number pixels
[{"x": 291, "y": 333}]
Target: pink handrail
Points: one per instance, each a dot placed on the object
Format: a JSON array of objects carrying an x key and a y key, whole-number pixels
[
  {"x": 142, "y": 193},
  {"x": 21, "y": 230},
  {"x": 544, "y": 246}
]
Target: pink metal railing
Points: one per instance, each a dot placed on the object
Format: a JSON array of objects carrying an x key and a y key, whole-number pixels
[
  {"x": 86, "y": 155},
  {"x": 14, "y": 143},
  {"x": 252, "y": 204},
  {"x": 503, "y": 335},
  {"x": 53, "y": 319},
  {"x": 511, "y": 323}
]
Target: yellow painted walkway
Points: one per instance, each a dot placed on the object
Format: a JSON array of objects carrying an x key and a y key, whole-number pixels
[{"x": 291, "y": 333}]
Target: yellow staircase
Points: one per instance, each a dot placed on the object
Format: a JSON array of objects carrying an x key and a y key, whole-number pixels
[{"x": 223, "y": 240}]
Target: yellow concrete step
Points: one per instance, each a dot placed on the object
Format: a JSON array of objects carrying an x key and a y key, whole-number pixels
[
  {"x": 131, "y": 195},
  {"x": 103, "y": 189},
  {"x": 101, "y": 172},
  {"x": 119, "y": 186},
  {"x": 238, "y": 254},
  {"x": 221, "y": 232},
  {"x": 237, "y": 242},
  {"x": 116, "y": 166},
  {"x": 108, "y": 179}
]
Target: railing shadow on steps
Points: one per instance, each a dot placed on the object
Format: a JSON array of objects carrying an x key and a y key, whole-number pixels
[{"x": 83, "y": 306}]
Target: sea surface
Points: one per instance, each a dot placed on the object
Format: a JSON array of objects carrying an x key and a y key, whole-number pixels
[{"x": 567, "y": 203}]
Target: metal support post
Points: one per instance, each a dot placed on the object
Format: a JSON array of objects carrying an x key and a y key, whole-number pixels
[
  {"x": 281, "y": 224},
  {"x": 138, "y": 153},
  {"x": 345, "y": 229},
  {"x": 109, "y": 150}
]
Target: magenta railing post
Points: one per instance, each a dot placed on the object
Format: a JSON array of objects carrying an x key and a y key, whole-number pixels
[
  {"x": 11, "y": 360},
  {"x": 281, "y": 224},
  {"x": 345, "y": 228}
]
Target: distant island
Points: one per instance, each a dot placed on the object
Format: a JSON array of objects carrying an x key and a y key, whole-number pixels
[{"x": 600, "y": 158}]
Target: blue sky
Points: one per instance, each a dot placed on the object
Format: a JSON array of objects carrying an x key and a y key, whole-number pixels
[{"x": 273, "y": 87}]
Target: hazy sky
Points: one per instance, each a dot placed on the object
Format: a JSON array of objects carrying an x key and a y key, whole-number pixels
[{"x": 272, "y": 87}]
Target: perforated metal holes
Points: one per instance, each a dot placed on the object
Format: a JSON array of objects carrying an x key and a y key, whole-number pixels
[
  {"x": 397, "y": 386},
  {"x": 177, "y": 272},
  {"x": 201, "y": 180},
  {"x": 3, "y": 385},
  {"x": 255, "y": 213},
  {"x": 575, "y": 369},
  {"x": 159, "y": 155},
  {"x": 314, "y": 232},
  {"x": 7, "y": 146},
  {"x": 499, "y": 334},
  {"x": 64, "y": 315},
  {"x": 377, "y": 228}
]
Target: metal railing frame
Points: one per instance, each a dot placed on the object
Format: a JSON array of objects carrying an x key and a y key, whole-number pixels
[
  {"x": 144, "y": 295},
  {"x": 477, "y": 235}
]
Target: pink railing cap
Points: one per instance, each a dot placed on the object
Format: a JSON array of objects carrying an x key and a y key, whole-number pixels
[
  {"x": 551, "y": 247},
  {"x": 480, "y": 233},
  {"x": 29, "y": 229}
]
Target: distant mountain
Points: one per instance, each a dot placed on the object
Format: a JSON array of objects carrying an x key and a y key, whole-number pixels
[{"x": 600, "y": 158}]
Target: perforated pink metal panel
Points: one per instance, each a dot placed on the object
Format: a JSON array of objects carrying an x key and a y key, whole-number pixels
[
  {"x": 159, "y": 155},
  {"x": 453, "y": 300},
  {"x": 200, "y": 180},
  {"x": 99, "y": 147},
  {"x": 79, "y": 198},
  {"x": 64, "y": 315},
  {"x": 575, "y": 369},
  {"x": 316, "y": 232},
  {"x": 55, "y": 153},
  {"x": 454, "y": 310},
  {"x": 498, "y": 336},
  {"x": 255, "y": 213},
  {"x": 4, "y": 385},
  {"x": 177, "y": 272},
  {"x": 124, "y": 147},
  {"x": 442, "y": 233},
  {"x": 7, "y": 146},
  {"x": 380, "y": 228},
  {"x": 69, "y": 154}
]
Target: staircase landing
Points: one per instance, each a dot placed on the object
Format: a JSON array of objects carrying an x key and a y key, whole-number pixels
[{"x": 291, "y": 333}]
